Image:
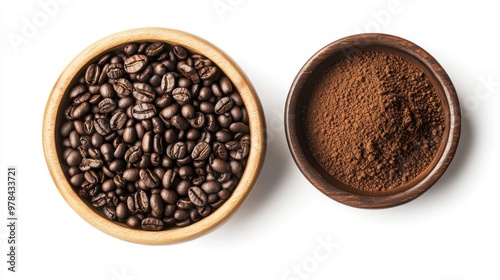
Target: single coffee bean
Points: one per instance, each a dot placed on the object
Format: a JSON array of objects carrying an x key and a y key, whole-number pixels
[
  {"x": 211, "y": 186},
  {"x": 99, "y": 200},
  {"x": 179, "y": 122},
  {"x": 180, "y": 52},
  {"x": 102, "y": 126},
  {"x": 154, "y": 49},
  {"x": 220, "y": 165},
  {"x": 167, "y": 83},
  {"x": 133, "y": 222},
  {"x": 122, "y": 87},
  {"x": 147, "y": 142},
  {"x": 225, "y": 85},
  {"x": 197, "y": 196},
  {"x": 183, "y": 187},
  {"x": 131, "y": 174},
  {"x": 149, "y": 178},
  {"x": 177, "y": 150},
  {"x": 157, "y": 206},
  {"x": 201, "y": 151},
  {"x": 189, "y": 72},
  {"x": 121, "y": 211},
  {"x": 181, "y": 95},
  {"x": 152, "y": 224},
  {"x": 135, "y": 63},
  {"x": 143, "y": 111},
  {"x": 92, "y": 162},
  {"x": 143, "y": 92},
  {"x": 92, "y": 74},
  {"x": 223, "y": 105},
  {"x": 107, "y": 105},
  {"x": 118, "y": 120},
  {"x": 110, "y": 212},
  {"x": 158, "y": 144},
  {"x": 207, "y": 72},
  {"x": 115, "y": 71}
]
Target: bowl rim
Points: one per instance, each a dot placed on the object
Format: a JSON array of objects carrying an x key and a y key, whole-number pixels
[
  {"x": 240, "y": 82},
  {"x": 359, "y": 42}
]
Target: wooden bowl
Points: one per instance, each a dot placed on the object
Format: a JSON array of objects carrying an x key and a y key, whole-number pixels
[
  {"x": 54, "y": 114},
  {"x": 331, "y": 186}
]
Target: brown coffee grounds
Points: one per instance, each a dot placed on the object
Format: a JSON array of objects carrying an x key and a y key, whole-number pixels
[{"x": 373, "y": 121}]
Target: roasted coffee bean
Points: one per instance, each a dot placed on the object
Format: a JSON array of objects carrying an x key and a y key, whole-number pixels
[
  {"x": 183, "y": 187},
  {"x": 189, "y": 72},
  {"x": 92, "y": 162},
  {"x": 82, "y": 98},
  {"x": 80, "y": 110},
  {"x": 197, "y": 196},
  {"x": 118, "y": 120},
  {"x": 177, "y": 150},
  {"x": 99, "y": 200},
  {"x": 223, "y": 105},
  {"x": 201, "y": 151},
  {"x": 121, "y": 211},
  {"x": 239, "y": 127},
  {"x": 158, "y": 144},
  {"x": 142, "y": 201},
  {"x": 102, "y": 126},
  {"x": 167, "y": 83},
  {"x": 143, "y": 111},
  {"x": 122, "y": 87},
  {"x": 108, "y": 185},
  {"x": 219, "y": 165},
  {"x": 110, "y": 212},
  {"x": 211, "y": 186},
  {"x": 149, "y": 178},
  {"x": 133, "y": 154},
  {"x": 179, "y": 122},
  {"x": 143, "y": 92},
  {"x": 154, "y": 49},
  {"x": 115, "y": 71},
  {"x": 107, "y": 105},
  {"x": 207, "y": 72},
  {"x": 77, "y": 91},
  {"x": 157, "y": 206},
  {"x": 131, "y": 174},
  {"x": 133, "y": 222},
  {"x": 152, "y": 224},
  {"x": 180, "y": 52},
  {"x": 181, "y": 95},
  {"x": 147, "y": 142},
  {"x": 91, "y": 177},
  {"x": 129, "y": 135},
  {"x": 135, "y": 63},
  {"x": 92, "y": 74},
  {"x": 225, "y": 85}
]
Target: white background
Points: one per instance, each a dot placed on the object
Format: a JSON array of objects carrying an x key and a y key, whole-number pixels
[{"x": 450, "y": 233}]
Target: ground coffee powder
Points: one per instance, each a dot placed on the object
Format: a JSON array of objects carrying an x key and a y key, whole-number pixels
[{"x": 373, "y": 120}]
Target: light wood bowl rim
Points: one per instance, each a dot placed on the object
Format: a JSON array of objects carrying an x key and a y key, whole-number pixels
[
  {"x": 240, "y": 81},
  {"x": 374, "y": 200}
]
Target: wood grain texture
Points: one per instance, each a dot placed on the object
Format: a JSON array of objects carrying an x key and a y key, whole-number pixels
[
  {"x": 343, "y": 48},
  {"x": 195, "y": 44}
]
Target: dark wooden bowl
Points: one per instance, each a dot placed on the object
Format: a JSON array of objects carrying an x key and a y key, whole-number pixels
[
  {"x": 58, "y": 99},
  {"x": 331, "y": 186}
]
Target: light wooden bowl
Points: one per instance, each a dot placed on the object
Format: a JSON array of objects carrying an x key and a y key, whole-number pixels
[
  {"x": 52, "y": 122},
  {"x": 331, "y": 186}
]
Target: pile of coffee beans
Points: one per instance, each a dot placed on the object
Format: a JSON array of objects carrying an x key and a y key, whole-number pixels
[{"x": 154, "y": 136}]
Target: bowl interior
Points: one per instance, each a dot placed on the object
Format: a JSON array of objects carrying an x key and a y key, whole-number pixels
[
  {"x": 302, "y": 87},
  {"x": 59, "y": 99}
]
